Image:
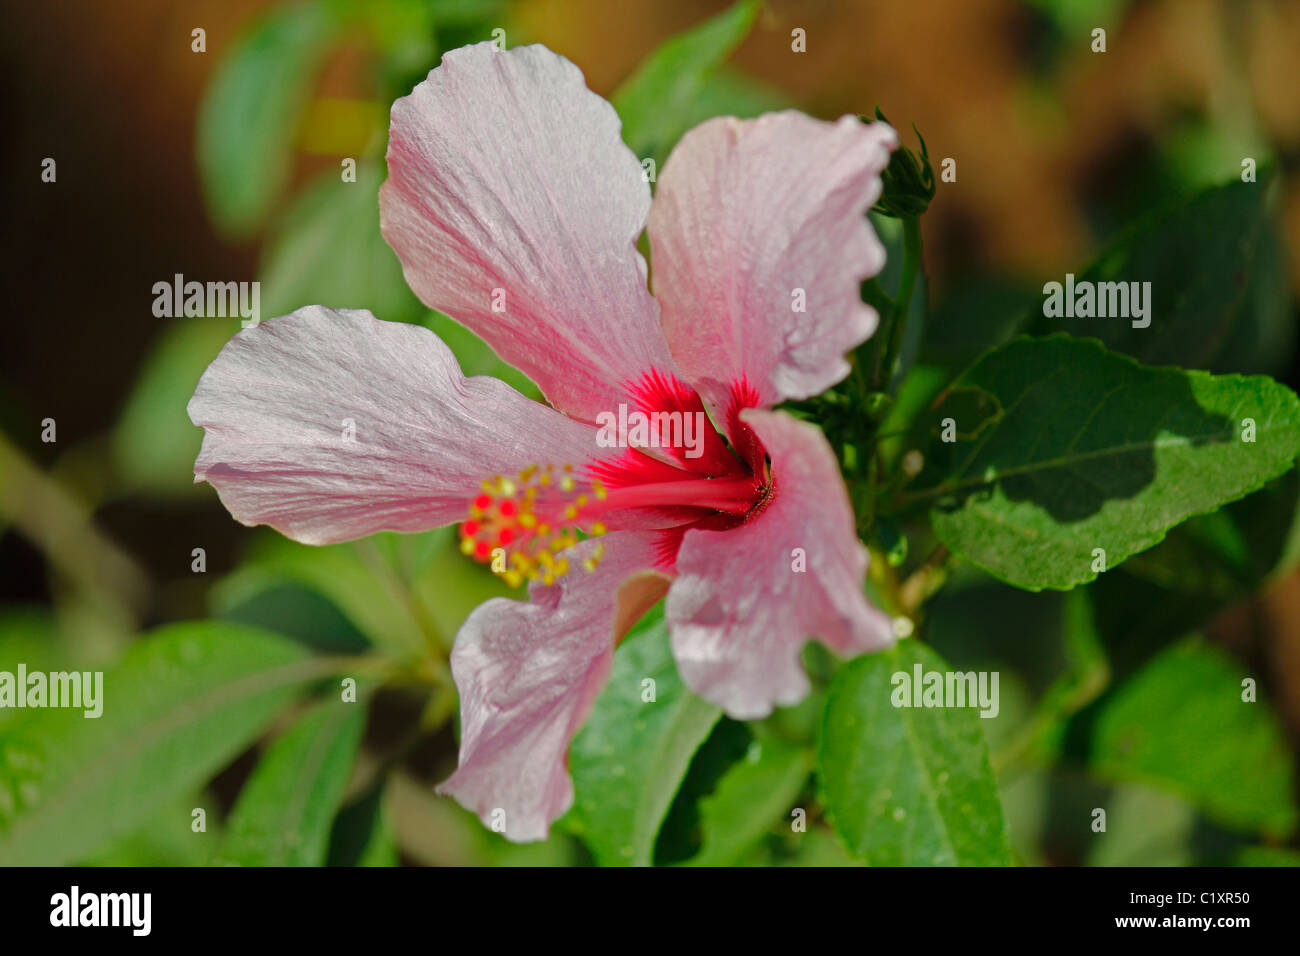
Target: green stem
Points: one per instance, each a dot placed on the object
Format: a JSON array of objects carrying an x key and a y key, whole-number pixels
[
  {"x": 903, "y": 304},
  {"x": 868, "y": 473}
]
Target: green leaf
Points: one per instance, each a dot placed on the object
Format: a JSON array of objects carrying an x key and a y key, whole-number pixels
[
  {"x": 249, "y": 114},
  {"x": 630, "y": 757},
  {"x": 816, "y": 848},
  {"x": 328, "y": 250},
  {"x": 729, "y": 92},
  {"x": 655, "y": 102},
  {"x": 362, "y": 834},
  {"x": 1267, "y": 856},
  {"x": 1204, "y": 565},
  {"x": 181, "y": 705},
  {"x": 907, "y": 786},
  {"x": 354, "y": 577},
  {"x": 977, "y": 315},
  {"x": 167, "y": 838},
  {"x": 1180, "y": 723},
  {"x": 285, "y": 811},
  {"x": 154, "y": 441},
  {"x": 751, "y": 797},
  {"x": 1078, "y": 17},
  {"x": 1213, "y": 280},
  {"x": 1093, "y": 451},
  {"x": 1144, "y": 827}
]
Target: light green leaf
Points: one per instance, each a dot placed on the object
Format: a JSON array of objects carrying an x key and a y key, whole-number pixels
[
  {"x": 630, "y": 757},
  {"x": 1144, "y": 827},
  {"x": 751, "y": 797},
  {"x": 182, "y": 703},
  {"x": 729, "y": 92},
  {"x": 328, "y": 251},
  {"x": 1091, "y": 450},
  {"x": 907, "y": 786},
  {"x": 816, "y": 848},
  {"x": 168, "y": 838},
  {"x": 1181, "y": 724},
  {"x": 249, "y": 114},
  {"x": 1267, "y": 856},
  {"x": 154, "y": 441},
  {"x": 284, "y": 813},
  {"x": 354, "y": 577},
  {"x": 655, "y": 102}
]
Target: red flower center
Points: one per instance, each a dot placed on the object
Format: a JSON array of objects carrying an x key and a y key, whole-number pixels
[{"x": 694, "y": 479}]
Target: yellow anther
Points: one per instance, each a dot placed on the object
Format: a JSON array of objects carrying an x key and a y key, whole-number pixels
[
  {"x": 599, "y": 489},
  {"x": 531, "y": 519},
  {"x": 598, "y": 528}
]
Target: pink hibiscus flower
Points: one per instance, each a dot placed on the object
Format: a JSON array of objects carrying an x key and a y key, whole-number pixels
[{"x": 515, "y": 208}]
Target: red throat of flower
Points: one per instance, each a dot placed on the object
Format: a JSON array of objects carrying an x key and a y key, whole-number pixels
[{"x": 523, "y": 526}]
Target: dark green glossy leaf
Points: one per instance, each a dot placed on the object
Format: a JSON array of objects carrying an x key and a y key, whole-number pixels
[
  {"x": 1095, "y": 453},
  {"x": 1215, "y": 285}
]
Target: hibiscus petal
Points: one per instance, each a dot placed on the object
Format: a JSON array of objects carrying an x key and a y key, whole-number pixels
[
  {"x": 329, "y": 424},
  {"x": 750, "y": 216},
  {"x": 506, "y": 173},
  {"x": 740, "y": 611},
  {"x": 528, "y": 675}
]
